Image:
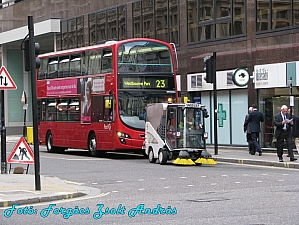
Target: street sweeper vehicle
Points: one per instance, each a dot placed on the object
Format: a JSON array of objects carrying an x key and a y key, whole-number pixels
[{"x": 176, "y": 132}]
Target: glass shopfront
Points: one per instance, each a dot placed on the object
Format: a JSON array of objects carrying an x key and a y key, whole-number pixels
[{"x": 270, "y": 102}]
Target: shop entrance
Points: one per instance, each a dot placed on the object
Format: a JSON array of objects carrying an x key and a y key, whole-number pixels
[{"x": 270, "y": 102}]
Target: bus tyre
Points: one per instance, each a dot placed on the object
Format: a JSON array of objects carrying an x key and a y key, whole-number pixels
[
  {"x": 151, "y": 158},
  {"x": 163, "y": 156},
  {"x": 49, "y": 143},
  {"x": 92, "y": 145}
]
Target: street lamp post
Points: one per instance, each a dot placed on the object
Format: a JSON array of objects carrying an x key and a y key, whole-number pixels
[{"x": 290, "y": 81}]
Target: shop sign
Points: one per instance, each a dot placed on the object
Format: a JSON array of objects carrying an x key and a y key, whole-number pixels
[
  {"x": 241, "y": 77},
  {"x": 270, "y": 75}
]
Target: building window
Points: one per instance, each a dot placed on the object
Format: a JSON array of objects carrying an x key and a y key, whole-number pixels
[
  {"x": 271, "y": 15},
  {"x": 92, "y": 29},
  {"x": 196, "y": 81},
  {"x": 157, "y": 19},
  {"x": 101, "y": 22},
  {"x": 72, "y": 33},
  {"x": 217, "y": 19},
  {"x": 121, "y": 10},
  {"x": 108, "y": 24}
]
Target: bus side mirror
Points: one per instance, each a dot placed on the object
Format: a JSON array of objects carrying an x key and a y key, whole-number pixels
[{"x": 205, "y": 113}]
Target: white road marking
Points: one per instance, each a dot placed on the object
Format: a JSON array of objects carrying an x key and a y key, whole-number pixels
[
  {"x": 99, "y": 159},
  {"x": 73, "y": 182},
  {"x": 82, "y": 159},
  {"x": 63, "y": 201},
  {"x": 261, "y": 166}
]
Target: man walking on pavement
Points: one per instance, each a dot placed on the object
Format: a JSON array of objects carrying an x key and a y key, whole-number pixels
[
  {"x": 254, "y": 118},
  {"x": 283, "y": 123},
  {"x": 248, "y": 134},
  {"x": 295, "y": 130}
]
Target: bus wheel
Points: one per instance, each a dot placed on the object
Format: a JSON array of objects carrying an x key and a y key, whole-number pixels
[
  {"x": 49, "y": 141},
  {"x": 151, "y": 158},
  {"x": 92, "y": 145},
  {"x": 163, "y": 156}
]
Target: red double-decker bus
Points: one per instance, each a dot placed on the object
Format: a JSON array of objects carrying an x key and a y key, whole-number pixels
[{"x": 95, "y": 97}]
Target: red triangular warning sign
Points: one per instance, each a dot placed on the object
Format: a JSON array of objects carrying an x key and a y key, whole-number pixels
[
  {"x": 6, "y": 81},
  {"x": 21, "y": 153}
]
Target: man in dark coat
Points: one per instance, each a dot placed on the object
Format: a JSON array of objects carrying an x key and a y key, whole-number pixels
[
  {"x": 295, "y": 131},
  {"x": 283, "y": 123},
  {"x": 248, "y": 134},
  {"x": 253, "y": 121}
]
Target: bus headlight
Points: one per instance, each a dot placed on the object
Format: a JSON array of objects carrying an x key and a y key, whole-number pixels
[
  {"x": 169, "y": 100},
  {"x": 122, "y": 137}
]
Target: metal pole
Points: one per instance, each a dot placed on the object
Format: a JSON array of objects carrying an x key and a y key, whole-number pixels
[
  {"x": 25, "y": 109},
  {"x": 215, "y": 105},
  {"x": 34, "y": 103},
  {"x": 3, "y": 137},
  {"x": 291, "y": 97}
]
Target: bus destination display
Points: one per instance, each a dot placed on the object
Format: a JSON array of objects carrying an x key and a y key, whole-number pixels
[{"x": 144, "y": 83}]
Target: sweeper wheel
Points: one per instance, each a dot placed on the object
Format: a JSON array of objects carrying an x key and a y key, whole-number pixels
[
  {"x": 151, "y": 158},
  {"x": 163, "y": 156}
]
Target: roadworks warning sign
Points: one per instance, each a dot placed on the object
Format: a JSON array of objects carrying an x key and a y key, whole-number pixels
[{"x": 21, "y": 153}]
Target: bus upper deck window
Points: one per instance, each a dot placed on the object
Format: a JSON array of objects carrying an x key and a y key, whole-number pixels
[
  {"x": 107, "y": 61},
  {"x": 75, "y": 65},
  {"x": 42, "y": 72},
  {"x": 53, "y": 68},
  {"x": 64, "y": 66},
  {"x": 94, "y": 62}
]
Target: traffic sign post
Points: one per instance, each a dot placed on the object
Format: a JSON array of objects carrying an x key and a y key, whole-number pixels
[
  {"x": 6, "y": 83},
  {"x": 3, "y": 137},
  {"x": 21, "y": 154}
]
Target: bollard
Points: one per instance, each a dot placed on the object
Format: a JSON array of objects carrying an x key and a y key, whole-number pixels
[{"x": 30, "y": 135}]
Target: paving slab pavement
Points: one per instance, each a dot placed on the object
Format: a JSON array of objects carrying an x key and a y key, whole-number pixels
[
  {"x": 241, "y": 155},
  {"x": 20, "y": 189}
]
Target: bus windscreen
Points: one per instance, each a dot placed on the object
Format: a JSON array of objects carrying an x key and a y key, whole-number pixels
[{"x": 144, "y": 56}]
